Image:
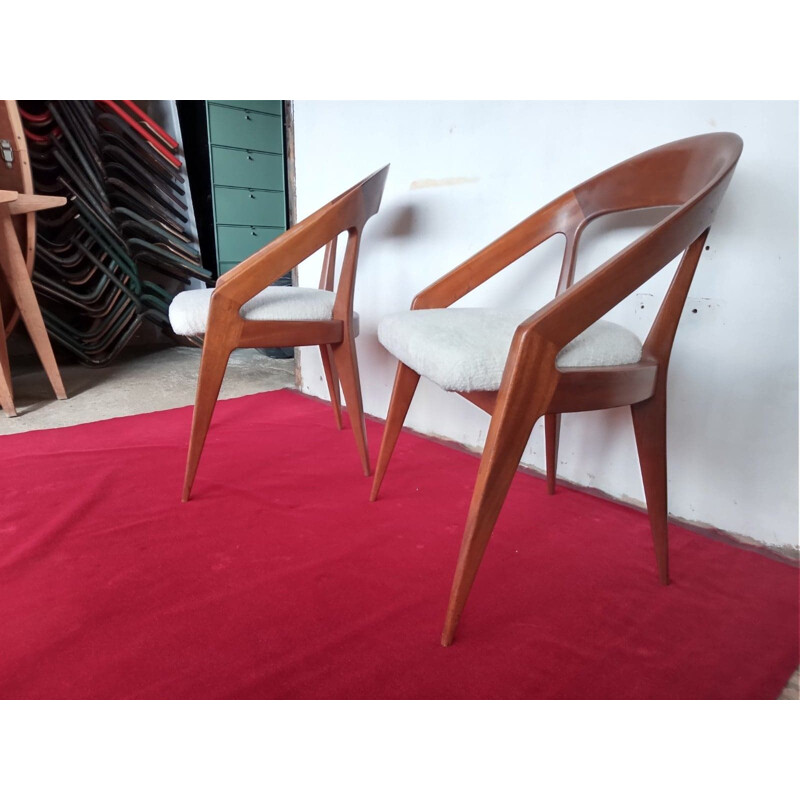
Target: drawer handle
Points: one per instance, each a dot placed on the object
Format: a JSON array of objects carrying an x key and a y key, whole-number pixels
[
  {"x": 252, "y": 196},
  {"x": 248, "y": 117},
  {"x": 253, "y": 233},
  {"x": 249, "y": 157}
]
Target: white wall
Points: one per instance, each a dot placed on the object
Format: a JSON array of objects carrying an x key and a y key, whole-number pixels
[{"x": 464, "y": 172}]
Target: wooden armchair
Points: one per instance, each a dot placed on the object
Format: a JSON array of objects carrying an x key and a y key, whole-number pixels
[
  {"x": 563, "y": 358},
  {"x": 244, "y": 310},
  {"x": 18, "y": 207}
]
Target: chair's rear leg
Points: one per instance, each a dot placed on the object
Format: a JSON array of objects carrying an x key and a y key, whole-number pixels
[
  {"x": 650, "y": 416},
  {"x": 6, "y": 392},
  {"x": 212, "y": 370},
  {"x": 509, "y": 432},
  {"x": 332, "y": 377},
  {"x": 650, "y": 428},
  {"x": 552, "y": 431},
  {"x": 13, "y": 265},
  {"x": 346, "y": 362},
  {"x": 405, "y": 384}
]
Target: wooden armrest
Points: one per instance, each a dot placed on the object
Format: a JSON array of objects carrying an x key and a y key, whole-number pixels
[
  {"x": 276, "y": 258},
  {"x": 263, "y": 268},
  {"x": 7, "y": 196},
  {"x": 347, "y": 212},
  {"x": 25, "y": 203}
]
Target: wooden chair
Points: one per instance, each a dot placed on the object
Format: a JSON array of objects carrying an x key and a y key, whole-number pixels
[
  {"x": 244, "y": 310},
  {"x": 18, "y": 207},
  {"x": 564, "y": 358}
]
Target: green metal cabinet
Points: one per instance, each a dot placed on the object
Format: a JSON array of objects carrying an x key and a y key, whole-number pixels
[{"x": 248, "y": 176}]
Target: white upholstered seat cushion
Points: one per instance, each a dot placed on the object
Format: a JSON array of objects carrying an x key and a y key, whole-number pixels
[
  {"x": 465, "y": 349},
  {"x": 188, "y": 312}
]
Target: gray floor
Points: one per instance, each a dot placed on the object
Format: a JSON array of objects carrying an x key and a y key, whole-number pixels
[
  {"x": 139, "y": 382},
  {"x": 143, "y": 381}
]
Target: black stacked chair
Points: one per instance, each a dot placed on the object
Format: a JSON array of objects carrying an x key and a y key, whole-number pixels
[{"x": 116, "y": 255}]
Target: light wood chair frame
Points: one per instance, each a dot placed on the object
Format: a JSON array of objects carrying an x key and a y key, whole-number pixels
[
  {"x": 690, "y": 175},
  {"x": 18, "y": 207},
  {"x": 227, "y": 330}
]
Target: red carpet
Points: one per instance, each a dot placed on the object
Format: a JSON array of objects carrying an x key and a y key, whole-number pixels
[{"x": 280, "y": 580}]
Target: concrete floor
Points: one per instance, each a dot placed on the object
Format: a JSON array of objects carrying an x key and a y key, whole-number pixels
[
  {"x": 140, "y": 381},
  {"x": 151, "y": 380}
]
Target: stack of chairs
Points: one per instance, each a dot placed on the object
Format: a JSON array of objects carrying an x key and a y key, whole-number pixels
[{"x": 119, "y": 252}]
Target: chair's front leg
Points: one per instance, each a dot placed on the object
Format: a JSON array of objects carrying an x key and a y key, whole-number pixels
[
  {"x": 524, "y": 397},
  {"x": 216, "y": 352},
  {"x": 12, "y": 263},
  {"x": 6, "y": 391},
  {"x": 405, "y": 384}
]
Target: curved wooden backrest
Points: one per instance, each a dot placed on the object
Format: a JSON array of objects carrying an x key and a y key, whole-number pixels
[
  {"x": 16, "y": 176},
  {"x": 691, "y": 174},
  {"x": 670, "y": 175},
  {"x": 347, "y": 212}
]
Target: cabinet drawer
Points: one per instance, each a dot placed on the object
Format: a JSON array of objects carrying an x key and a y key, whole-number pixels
[
  {"x": 237, "y": 243},
  {"x": 235, "y": 127},
  {"x": 265, "y": 106},
  {"x": 246, "y": 168},
  {"x": 284, "y": 280},
  {"x": 245, "y": 207}
]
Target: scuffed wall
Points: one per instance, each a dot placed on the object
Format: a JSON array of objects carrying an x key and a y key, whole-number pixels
[{"x": 464, "y": 172}]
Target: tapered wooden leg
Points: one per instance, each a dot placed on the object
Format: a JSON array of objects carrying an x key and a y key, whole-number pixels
[
  {"x": 344, "y": 357},
  {"x": 12, "y": 263},
  {"x": 552, "y": 431},
  {"x": 650, "y": 427},
  {"x": 212, "y": 370},
  {"x": 332, "y": 377},
  {"x": 6, "y": 391},
  {"x": 509, "y": 432},
  {"x": 405, "y": 384}
]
